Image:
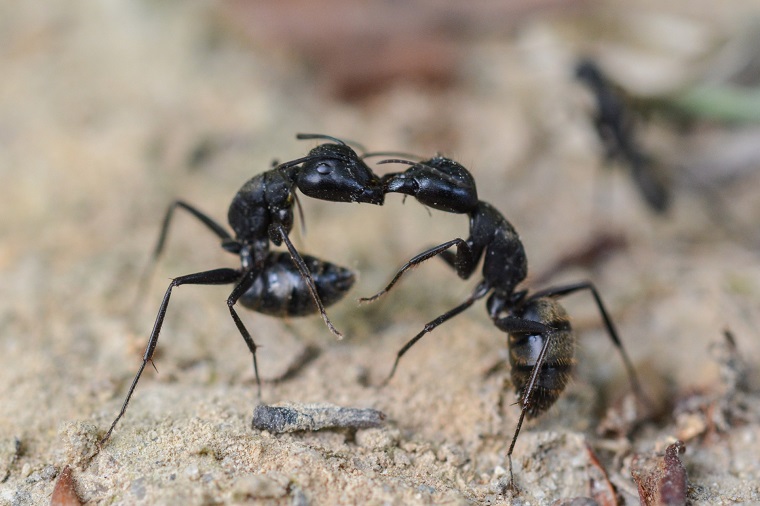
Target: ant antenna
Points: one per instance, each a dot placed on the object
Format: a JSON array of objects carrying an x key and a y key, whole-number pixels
[
  {"x": 298, "y": 161},
  {"x": 300, "y": 213},
  {"x": 302, "y": 137},
  {"x": 357, "y": 145},
  {"x": 401, "y": 160},
  {"x": 438, "y": 172},
  {"x": 389, "y": 153}
]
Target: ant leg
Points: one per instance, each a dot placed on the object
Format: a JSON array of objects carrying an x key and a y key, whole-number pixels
[
  {"x": 202, "y": 217},
  {"x": 213, "y": 277},
  {"x": 511, "y": 324},
  {"x": 276, "y": 165},
  {"x": 300, "y": 214},
  {"x": 651, "y": 186},
  {"x": 306, "y": 275},
  {"x": 463, "y": 250},
  {"x": 464, "y": 261},
  {"x": 561, "y": 291},
  {"x": 480, "y": 291},
  {"x": 240, "y": 288}
]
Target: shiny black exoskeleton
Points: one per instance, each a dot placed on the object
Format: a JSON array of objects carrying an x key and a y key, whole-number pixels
[
  {"x": 262, "y": 213},
  {"x": 540, "y": 339},
  {"x": 440, "y": 183},
  {"x": 614, "y": 125},
  {"x": 279, "y": 290}
]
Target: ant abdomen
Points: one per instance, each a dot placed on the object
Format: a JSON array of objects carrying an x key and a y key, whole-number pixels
[
  {"x": 525, "y": 347},
  {"x": 280, "y": 290}
]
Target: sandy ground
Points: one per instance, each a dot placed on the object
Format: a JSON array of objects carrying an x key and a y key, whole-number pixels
[{"x": 109, "y": 110}]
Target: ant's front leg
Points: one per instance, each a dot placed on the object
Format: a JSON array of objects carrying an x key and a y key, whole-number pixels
[
  {"x": 561, "y": 291},
  {"x": 306, "y": 275},
  {"x": 213, "y": 277},
  {"x": 480, "y": 291},
  {"x": 462, "y": 261},
  {"x": 465, "y": 260}
]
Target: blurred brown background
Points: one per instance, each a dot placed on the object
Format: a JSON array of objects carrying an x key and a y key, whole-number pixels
[{"x": 109, "y": 110}]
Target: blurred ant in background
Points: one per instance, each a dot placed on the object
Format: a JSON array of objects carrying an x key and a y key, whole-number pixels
[{"x": 614, "y": 123}]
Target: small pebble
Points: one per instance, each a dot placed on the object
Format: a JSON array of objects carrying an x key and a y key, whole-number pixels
[
  {"x": 192, "y": 472},
  {"x": 137, "y": 488},
  {"x": 281, "y": 418}
]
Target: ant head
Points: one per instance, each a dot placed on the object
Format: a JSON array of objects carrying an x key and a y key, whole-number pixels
[
  {"x": 439, "y": 183},
  {"x": 588, "y": 71},
  {"x": 336, "y": 173},
  {"x": 450, "y": 170}
]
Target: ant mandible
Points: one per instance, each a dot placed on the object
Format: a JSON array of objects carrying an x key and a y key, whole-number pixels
[
  {"x": 274, "y": 283},
  {"x": 540, "y": 339}
]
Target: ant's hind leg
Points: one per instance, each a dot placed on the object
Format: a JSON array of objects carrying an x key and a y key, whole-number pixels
[
  {"x": 213, "y": 277},
  {"x": 561, "y": 291}
]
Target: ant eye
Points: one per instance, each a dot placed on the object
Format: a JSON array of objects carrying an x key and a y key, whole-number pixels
[{"x": 324, "y": 168}]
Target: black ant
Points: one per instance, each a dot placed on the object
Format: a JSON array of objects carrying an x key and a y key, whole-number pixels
[
  {"x": 541, "y": 341},
  {"x": 274, "y": 283},
  {"x": 614, "y": 124}
]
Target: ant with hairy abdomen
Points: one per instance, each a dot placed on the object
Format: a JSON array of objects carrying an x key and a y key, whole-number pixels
[
  {"x": 540, "y": 339},
  {"x": 261, "y": 213}
]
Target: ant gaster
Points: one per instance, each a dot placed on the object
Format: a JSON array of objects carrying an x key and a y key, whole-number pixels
[
  {"x": 540, "y": 339},
  {"x": 274, "y": 283}
]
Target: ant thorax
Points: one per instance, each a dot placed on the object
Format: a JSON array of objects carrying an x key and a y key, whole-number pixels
[{"x": 263, "y": 200}]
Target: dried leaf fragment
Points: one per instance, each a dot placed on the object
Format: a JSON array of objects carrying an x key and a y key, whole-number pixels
[
  {"x": 64, "y": 493},
  {"x": 661, "y": 480}
]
